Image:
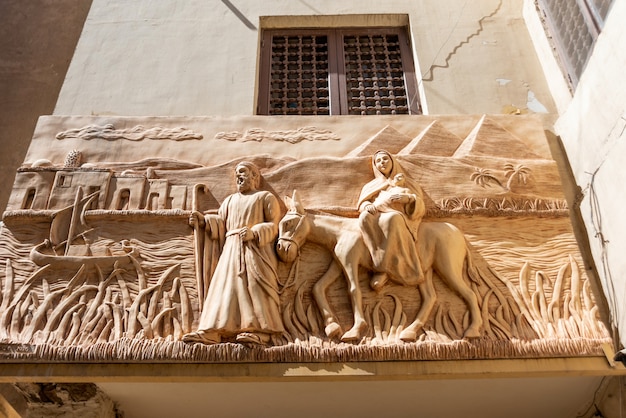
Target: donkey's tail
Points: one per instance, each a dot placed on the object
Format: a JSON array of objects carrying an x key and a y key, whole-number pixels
[
  {"x": 472, "y": 271},
  {"x": 488, "y": 275}
]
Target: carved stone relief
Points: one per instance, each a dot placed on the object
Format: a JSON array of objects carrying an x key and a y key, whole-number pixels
[
  {"x": 308, "y": 133},
  {"x": 432, "y": 239},
  {"x": 137, "y": 133}
]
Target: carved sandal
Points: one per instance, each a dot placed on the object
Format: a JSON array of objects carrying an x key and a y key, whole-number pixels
[
  {"x": 200, "y": 337},
  {"x": 249, "y": 338}
]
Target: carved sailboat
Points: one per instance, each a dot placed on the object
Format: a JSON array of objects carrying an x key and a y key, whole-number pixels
[{"x": 68, "y": 245}]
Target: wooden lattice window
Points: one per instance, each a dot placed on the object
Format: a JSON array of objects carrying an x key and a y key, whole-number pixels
[
  {"x": 574, "y": 26},
  {"x": 337, "y": 72}
]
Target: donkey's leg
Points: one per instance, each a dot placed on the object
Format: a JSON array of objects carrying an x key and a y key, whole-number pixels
[
  {"x": 452, "y": 275},
  {"x": 351, "y": 261},
  {"x": 332, "y": 330},
  {"x": 427, "y": 291}
]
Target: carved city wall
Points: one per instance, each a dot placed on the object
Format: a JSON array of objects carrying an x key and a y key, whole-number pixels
[{"x": 101, "y": 258}]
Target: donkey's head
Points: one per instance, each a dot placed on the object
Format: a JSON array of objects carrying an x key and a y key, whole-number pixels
[{"x": 292, "y": 229}]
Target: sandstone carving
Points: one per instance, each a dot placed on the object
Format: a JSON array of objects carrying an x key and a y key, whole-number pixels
[
  {"x": 73, "y": 159},
  {"x": 242, "y": 300},
  {"x": 515, "y": 175},
  {"x": 94, "y": 309},
  {"x": 390, "y": 217},
  {"x": 137, "y": 133},
  {"x": 308, "y": 133},
  {"x": 448, "y": 245},
  {"x": 443, "y": 251}
]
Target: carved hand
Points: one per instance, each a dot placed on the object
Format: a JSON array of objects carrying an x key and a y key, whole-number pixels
[
  {"x": 371, "y": 209},
  {"x": 402, "y": 198},
  {"x": 246, "y": 234},
  {"x": 196, "y": 219}
]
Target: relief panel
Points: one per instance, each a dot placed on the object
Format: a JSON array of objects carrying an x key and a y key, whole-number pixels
[{"x": 292, "y": 239}]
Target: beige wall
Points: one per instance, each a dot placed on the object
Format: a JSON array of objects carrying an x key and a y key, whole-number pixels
[
  {"x": 37, "y": 41},
  {"x": 200, "y": 58}
]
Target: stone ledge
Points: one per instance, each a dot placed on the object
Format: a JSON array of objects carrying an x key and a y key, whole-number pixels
[{"x": 258, "y": 372}]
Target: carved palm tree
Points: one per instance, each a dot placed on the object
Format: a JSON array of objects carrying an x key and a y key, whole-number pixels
[
  {"x": 519, "y": 172},
  {"x": 483, "y": 177}
]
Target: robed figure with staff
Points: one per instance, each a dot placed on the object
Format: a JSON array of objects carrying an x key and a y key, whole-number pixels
[{"x": 242, "y": 301}]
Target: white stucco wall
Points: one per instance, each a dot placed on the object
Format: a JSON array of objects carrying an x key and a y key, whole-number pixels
[
  {"x": 593, "y": 132},
  {"x": 557, "y": 81},
  {"x": 157, "y": 57}
]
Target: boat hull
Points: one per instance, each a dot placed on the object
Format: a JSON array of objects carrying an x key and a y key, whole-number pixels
[{"x": 39, "y": 257}]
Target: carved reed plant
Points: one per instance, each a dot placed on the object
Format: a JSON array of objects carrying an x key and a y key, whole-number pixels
[
  {"x": 84, "y": 313},
  {"x": 562, "y": 310},
  {"x": 301, "y": 343},
  {"x": 301, "y": 325},
  {"x": 388, "y": 332},
  {"x": 507, "y": 334},
  {"x": 445, "y": 327},
  {"x": 501, "y": 206},
  {"x": 304, "y": 324}
]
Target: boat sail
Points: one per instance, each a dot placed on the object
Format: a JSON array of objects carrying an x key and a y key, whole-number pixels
[{"x": 68, "y": 244}]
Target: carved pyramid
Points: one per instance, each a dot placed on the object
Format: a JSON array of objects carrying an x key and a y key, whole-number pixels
[
  {"x": 490, "y": 139},
  {"x": 434, "y": 140},
  {"x": 387, "y": 138}
]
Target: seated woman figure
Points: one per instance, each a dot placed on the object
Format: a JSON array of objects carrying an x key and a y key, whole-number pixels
[{"x": 391, "y": 208}]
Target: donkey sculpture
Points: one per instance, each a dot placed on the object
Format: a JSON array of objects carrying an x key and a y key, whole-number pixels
[{"x": 442, "y": 249}]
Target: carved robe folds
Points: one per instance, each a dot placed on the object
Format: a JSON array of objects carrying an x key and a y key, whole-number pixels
[{"x": 243, "y": 293}]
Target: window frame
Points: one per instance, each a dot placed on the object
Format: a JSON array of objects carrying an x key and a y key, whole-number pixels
[
  {"x": 593, "y": 23},
  {"x": 337, "y": 83}
]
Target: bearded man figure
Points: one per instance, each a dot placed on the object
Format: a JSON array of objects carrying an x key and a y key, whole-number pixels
[{"x": 242, "y": 302}]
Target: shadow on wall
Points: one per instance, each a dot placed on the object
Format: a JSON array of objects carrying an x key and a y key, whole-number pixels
[{"x": 37, "y": 42}]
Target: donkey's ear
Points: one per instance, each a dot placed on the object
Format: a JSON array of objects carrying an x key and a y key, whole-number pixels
[
  {"x": 288, "y": 202},
  {"x": 297, "y": 203}
]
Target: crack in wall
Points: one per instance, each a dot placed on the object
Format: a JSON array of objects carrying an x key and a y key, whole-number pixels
[{"x": 465, "y": 41}]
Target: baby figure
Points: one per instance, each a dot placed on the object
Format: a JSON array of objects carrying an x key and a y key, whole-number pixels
[{"x": 394, "y": 198}]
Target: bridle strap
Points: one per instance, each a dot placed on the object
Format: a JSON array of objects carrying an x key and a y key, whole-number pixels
[
  {"x": 291, "y": 240},
  {"x": 295, "y": 268}
]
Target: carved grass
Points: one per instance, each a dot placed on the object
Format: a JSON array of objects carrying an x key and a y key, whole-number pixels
[
  {"x": 312, "y": 350},
  {"x": 550, "y": 311},
  {"x": 92, "y": 308},
  {"x": 94, "y": 317}
]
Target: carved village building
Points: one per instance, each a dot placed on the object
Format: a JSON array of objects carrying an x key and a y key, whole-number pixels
[{"x": 125, "y": 233}]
